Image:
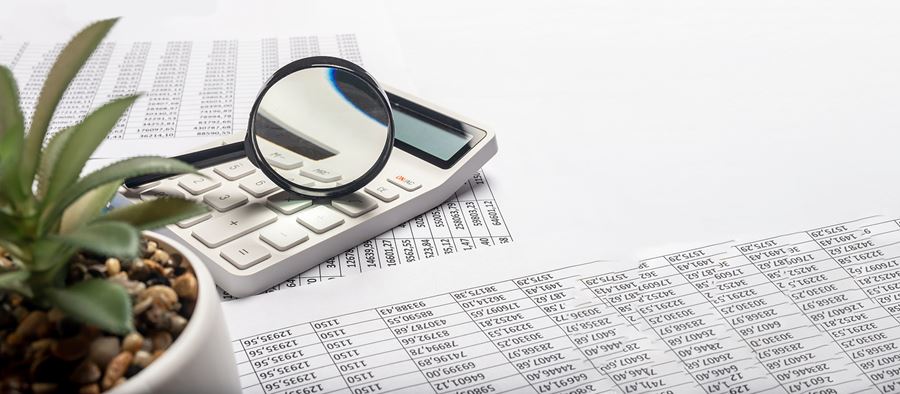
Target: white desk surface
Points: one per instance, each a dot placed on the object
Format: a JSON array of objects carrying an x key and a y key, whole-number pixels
[{"x": 625, "y": 125}]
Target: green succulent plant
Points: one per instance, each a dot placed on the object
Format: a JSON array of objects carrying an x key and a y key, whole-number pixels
[{"x": 48, "y": 212}]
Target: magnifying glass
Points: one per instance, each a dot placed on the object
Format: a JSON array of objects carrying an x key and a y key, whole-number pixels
[{"x": 320, "y": 127}]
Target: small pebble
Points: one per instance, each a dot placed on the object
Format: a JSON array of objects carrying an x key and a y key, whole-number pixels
[
  {"x": 133, "y": 287},
  {"x": 132, "y": 342},
  {"x": 103, "y": 350},
  {"x": 71, "y": 349},
  {"x": 161, "y": 340},
  {"x": 86, "y": 372},
  {"x": 41, "y": 388},
  {"x": 162, "y": 296},
  {"x": 177, "y": 323},
  {"x": 142, "y": 358},
  {"x": 116, "y": 369},
  {"x": 139, "y": 270},
  {"x": 30, "y": 324},
  {"x": 160, "y": 256},
  {"x": 113, "y": 266},
  {"x": 142, "y": 306},
  {"x": 148, "y": 345},
  {"x": 89, "y": 389},
  {"x": 151, "y": 247},
  {"x": 55, "y": 315},
  {"x": 39, "y": 347},
  {"x": 185, "y": 286}
]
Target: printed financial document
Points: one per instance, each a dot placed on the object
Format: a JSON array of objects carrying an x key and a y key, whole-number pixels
[
  {"x": 810, "y": 311},
  {"x": 195, "y": 92}
]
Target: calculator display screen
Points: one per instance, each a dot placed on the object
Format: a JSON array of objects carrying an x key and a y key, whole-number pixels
[
  {"x": 435, "y": 141},
  {"x": 431, "y": 135}
]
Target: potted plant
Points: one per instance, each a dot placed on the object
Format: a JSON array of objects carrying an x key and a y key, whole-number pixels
[{"x": 88, "y": 303}]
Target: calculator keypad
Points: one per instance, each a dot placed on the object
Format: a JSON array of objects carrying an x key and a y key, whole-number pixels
[{"x": 284, "y": 221}]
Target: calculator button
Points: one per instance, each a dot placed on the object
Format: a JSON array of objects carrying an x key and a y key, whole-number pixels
[
  {"x": 284, "y": 234},
  {"x": 194, "y": 220},
  {"x": 405, "y": 183},
  {"x": 320, "y": 219},
  {"x": 225, "y": 228},
  {"x": 225, "y": 199},
  {"x": 354, "y": 204},
  {"x": 245, "y": 254},
  {"x": 320, "y": 174},
  {"x": 287, "y": 203},
  {"x": 383, "y": 192},
  {"x": 301, "y": 180},
  {"x": 198, "y": 184},
  {"x": 258, "y": 185},
  {"x": 235, "y": 170},
  {"x": 284, "y": 160},
  {"x": 161, "y": 191}
]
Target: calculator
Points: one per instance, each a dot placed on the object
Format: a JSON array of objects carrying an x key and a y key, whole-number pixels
[{"x": 257, "y": 235}]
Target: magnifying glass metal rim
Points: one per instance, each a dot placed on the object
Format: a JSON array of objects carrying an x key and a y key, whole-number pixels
[{"x": 253, "y": 151}]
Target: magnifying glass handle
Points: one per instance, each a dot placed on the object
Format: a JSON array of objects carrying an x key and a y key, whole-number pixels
[{"x": 199, "y": 159}]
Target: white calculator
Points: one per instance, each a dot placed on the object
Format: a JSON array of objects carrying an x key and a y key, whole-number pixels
[{"x": 257, "y": 235}]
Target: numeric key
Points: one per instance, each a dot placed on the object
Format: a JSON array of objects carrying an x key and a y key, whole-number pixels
[{"x": 225, "y": 199}]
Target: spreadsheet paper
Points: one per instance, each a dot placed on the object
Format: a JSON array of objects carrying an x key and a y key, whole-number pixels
[
  {"x": 816, "y": 310},
  {"x": 194, "y": 92}
]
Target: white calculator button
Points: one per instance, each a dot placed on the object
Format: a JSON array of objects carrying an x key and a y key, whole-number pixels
[
  {"x": 287, "y": 203},
  {"x": 258, "y": 185},
  {"x": 194, "y": 220},
  {"x": 284, "y": 234},
  {"x": 320, "y": 174},
  {"x": 405, "y": 183},
  {"x": 214, "y": 233},
  {"x": 301, "y": 180},
  {"x": 225, "y": 199},
  {"x": 198, "y": 184},
  {"x": 235, "y": 170},
  {"x": 245, "y": 254},
  {"x": 284, "y": 160},
  {"x": 354, "y": 204},
  {"x": 383, "y": 192},
  {"x": 161, "y": 191},
  {"x": 320, "y": 219}
]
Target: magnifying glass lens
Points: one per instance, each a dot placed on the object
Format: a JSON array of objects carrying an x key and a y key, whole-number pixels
[{"x": 321, "y": 131}]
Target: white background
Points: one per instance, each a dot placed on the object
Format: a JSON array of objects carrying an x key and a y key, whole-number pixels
[{"x": 622, "y": 125}]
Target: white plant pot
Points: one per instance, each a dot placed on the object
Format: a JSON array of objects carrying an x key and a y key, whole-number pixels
[{"x": 201, "y": 360}]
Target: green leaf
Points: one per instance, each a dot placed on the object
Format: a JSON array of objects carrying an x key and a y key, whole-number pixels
[
  {"x": 67, "y": 65},
  {"x": 10, "y": 112},
  {"x": 106, "y": 238},
  {"x": 88, "y": 207},
  {"x": 124, "y": 169},
  {"x": 9, "y": 230},
  {"x": 97, "y": 302},
  {"x": 66, "y": 162},
  {"x": 16, "y": 281},
  {"x": 48, "y": 254},
  {"x": 12, "y": 134},
  {"x": 156, "y": 213},
  {"x": 48, "y": 158}
]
